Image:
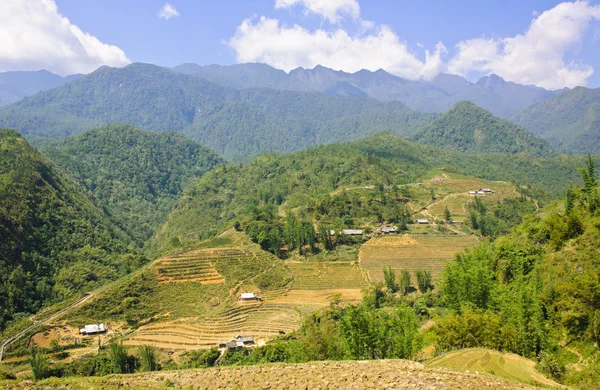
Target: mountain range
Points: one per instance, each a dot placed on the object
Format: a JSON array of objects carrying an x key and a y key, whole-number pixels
[
  {"x": 500, "y": 97},
  {"x": 237, "y": 124},
  {"x": 244, "y": 110},
  {"x": 17, "y": 85}
]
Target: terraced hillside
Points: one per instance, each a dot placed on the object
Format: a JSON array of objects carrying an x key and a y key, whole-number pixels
[{"x": 405, "y": 252}]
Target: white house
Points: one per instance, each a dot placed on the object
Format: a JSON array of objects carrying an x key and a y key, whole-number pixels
[
  {"x": 422, "y": 222},
  {"x": 93, "y": 329},
  {"x": 352, "y": 232},
  {"x": 249, "y": 297}
]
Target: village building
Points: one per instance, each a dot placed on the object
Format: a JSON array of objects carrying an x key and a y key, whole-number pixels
[
  {"x": 93, "y": 329},
  {"x": 370, "y": 187},
  {"x": 249, "y": 297},
  {"x": 486, "y": 190},
  {"x": 422, "y": 222},
  {"x": 388, "y": 230},
  {"x": 352, "y": 232}
]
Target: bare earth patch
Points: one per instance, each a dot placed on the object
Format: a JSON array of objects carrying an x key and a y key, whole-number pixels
[{"x": 378, "y": 374}]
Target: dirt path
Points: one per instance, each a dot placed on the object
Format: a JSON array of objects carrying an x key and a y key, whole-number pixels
[
  {"x": 576, "y": 366},
  {"x": 89, "y": 297},
  {"x": 43, "y": 321}
]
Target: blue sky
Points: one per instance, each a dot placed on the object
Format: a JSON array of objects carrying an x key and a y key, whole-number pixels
[{"x": 391, "y": 34}]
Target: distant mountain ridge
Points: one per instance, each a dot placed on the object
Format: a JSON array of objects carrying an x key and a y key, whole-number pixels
[
  {"x": 492, "y": 93},
  {"x": 471, "y": 129},
  {"x": 569, "y": 121},
  {"x": 17, "y": 85},
  {"x": 238, "y": 124}
]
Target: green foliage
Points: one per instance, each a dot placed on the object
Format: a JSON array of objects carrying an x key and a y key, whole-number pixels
[
  {"x": 135, "y": 175},
  {"x": 48, "y": 231},
  {"x": 468, "y": 128},
  {"x": 389, "y": 277},
  {"x": 40, "y": 365},
  {"x": 505, "y": 215},
  {"x": 424, "y": 280},
  {"x": 200, "y": 358},
  {"x": 117, "y": 355},
  {"x": 404, "y": 284},
  {"x": 147, "y": 355}
]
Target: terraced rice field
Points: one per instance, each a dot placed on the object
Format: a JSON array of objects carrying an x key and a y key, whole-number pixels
[
  {"x": 311, "y": 300},
  {"x": 326, "y": 276},
  {"x": 254, "y": 319},
  {"x": 197, "y": 266},
  {"x": 411, "y": 253}
]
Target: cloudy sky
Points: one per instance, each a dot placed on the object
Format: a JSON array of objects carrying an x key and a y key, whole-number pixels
[{"x": 551, "y": 44}]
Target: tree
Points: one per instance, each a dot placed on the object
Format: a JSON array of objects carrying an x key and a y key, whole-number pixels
[
  {"x": 147, "y": 358},
  {"x": 569, "y": 200},
  {"x": 117, "y": 354},
  {"x": 389, "y": 275},
  {"x": 447, "y": 215},
  {"x": 424, "y": 281},
  {"x": 404, "y": 283},
  {"x": 39, "y": 365}
]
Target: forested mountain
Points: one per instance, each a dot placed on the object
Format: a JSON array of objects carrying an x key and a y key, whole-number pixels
[
  {"x": 235, "y": 123},
  {"x": 135, "y": 175},
  {"x": 304, "y": 179},
  {"x": 496, "y": 95},
  {"x": 468, "y": 128},
  {"x": 53, "y": 240},
  {"x": 569, "y": 121},
  {"x": 17, "y": 85}
]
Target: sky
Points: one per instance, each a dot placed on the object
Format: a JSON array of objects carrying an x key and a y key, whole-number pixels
[{"x": 551, "y": 44}]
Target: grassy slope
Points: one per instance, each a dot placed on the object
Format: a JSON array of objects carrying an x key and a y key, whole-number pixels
[{"x": 507, "y": 366}]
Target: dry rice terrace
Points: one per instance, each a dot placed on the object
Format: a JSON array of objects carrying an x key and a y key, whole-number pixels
[
  {"x": 405, "y": 252},
  {"x": 378, "y": 374}
]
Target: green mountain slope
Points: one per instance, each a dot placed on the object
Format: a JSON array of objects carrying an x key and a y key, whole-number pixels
[
  {"x": 302, "y": 180},
  {"x": 468, "y": 128},
  {"x": 569, "y": 121},
  {"x": 53, "y": 240},
  {"x": 235, "y": 123},
  {"x": 135, "y": 175}
]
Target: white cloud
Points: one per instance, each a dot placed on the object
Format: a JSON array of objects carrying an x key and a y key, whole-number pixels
[
  {"x": 266, "y": 40},
  {"x": 329, "y": 9},
  {"x": 537, "y": 56},
  {"x": 167, "y": 12},
  {"x": 35, "y": 36}
]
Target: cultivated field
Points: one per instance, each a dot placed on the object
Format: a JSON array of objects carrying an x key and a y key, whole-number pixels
[
  {"x": 405, "y": 252},
  {"x": 263, "y": 321},
  {"x": 326, "y": 276},
  {"x": 377, "y": 374}
]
